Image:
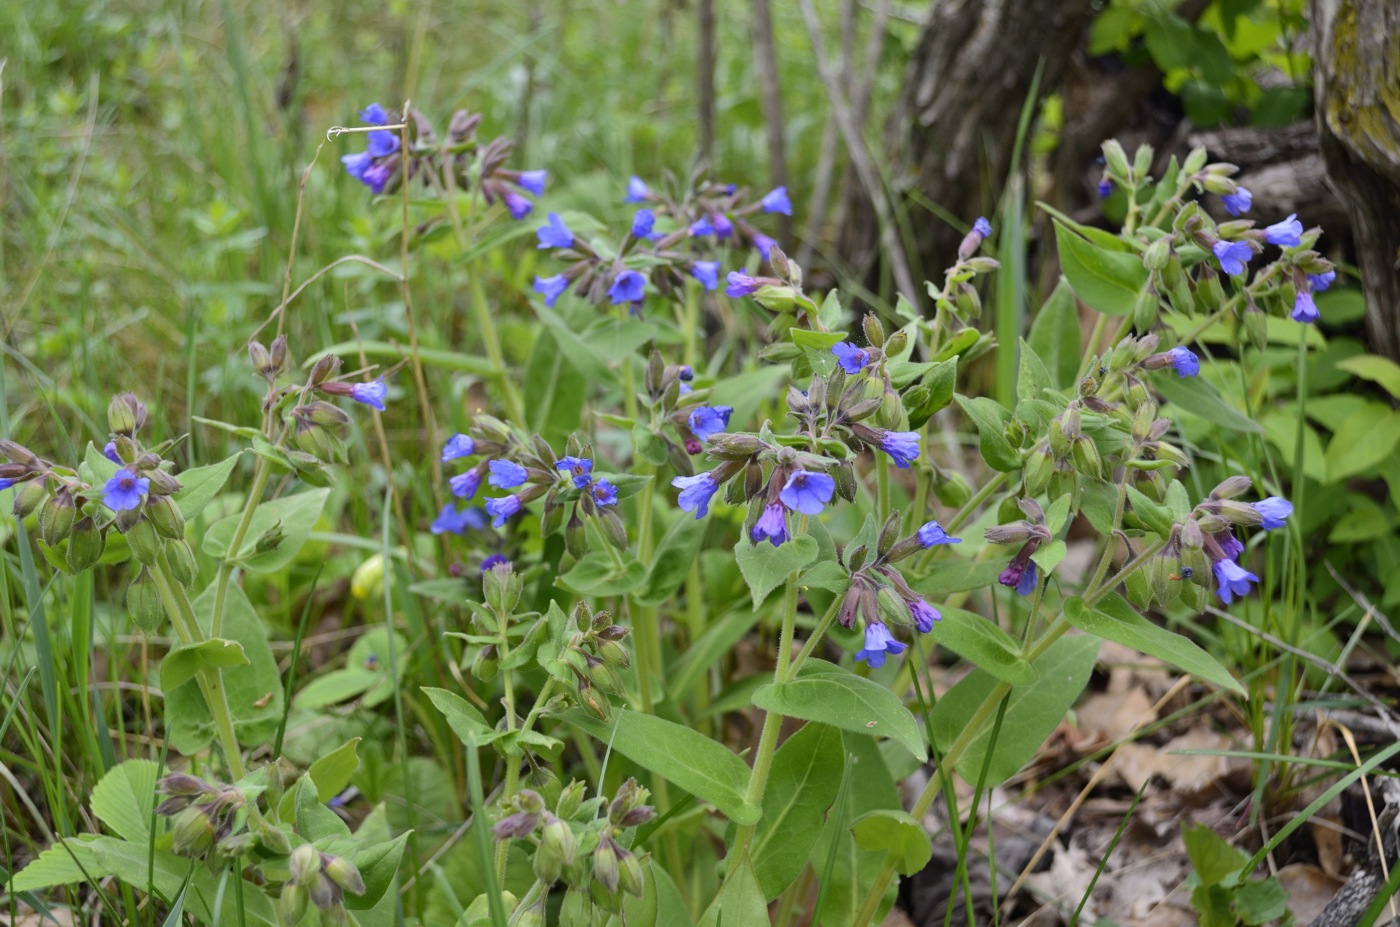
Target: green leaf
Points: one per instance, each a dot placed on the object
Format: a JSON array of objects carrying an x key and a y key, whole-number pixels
[
  {"x": 332, "y": 772},
  {"x": 1212, "y": 859},
  {"x": 718, "y": 640},
  {"x": 1032, "y": 375},
  {"x": 1032, "y": 711},
  {"x": 124, "y": 799},
  {"x": 675, "y": 555},
  {"x": 991, "y": 419},
  {"x": 1261, "y": 902},
  {"x": 1055, "y": 335},
  {"x": 827, "y": 693},
  {"x": 1048, "y": 556},
  {"x": 1152, "y": 514},
  {"x": 802, "y": 784},
  {"x": 1116, "y": 620},
  {"x": 981, "y": 642},
  {"x": 199, "y": 486},
  {"x": 294, "y": 516},
  {"x": 685, "y": 757},
  {"x": 466, "y": 722},
  {"x": 1363, "y": 441},
  {"x": 649, "y": 446},
  {"x": 185, "y": 660},
  {"x": 596, "y": 574},
  {"x": 1108, "y": 281},
  {"x": 816, "y": 346},
  {"x": 740, "y": 900},
  {"x": 1198, "y": 397},
  {"x": 946, "y": 577},
  {"x": 867, "y": 787},
  {"x": 584, "y": 358},
  {"x": 766, "y": 567},
  {"x": 1380, "y": 370},
  {"x": 378, "y": 864},
  {"x": 314, "y": 820},
  {"x": 891, "y": 831}
]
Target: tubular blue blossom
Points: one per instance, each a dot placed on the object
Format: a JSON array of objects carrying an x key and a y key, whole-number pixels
[
  {"x": 579, "y": 468},
  {"x": 807, "y": 491},
  {"x": 507, "y": 474},
  {"x": 1320, "y": 282},
  {"x": 371, "y": 394},
  {"x": 707, "y": 272},
  {"x": 1184, "y": 362},
  {"x": 533, "y": 181},
  {"x": 109, "y": 450},
  {"x": 1027, "y": 584},
  {"x": 776, "y": 200},
  {"x": 709, "y": 420},
  {"x": 932, "y": 534},
  {"x": 1232, "y": 580},
  {"x": 695, "y": 493},
  {"x": 1233, "y": 256},
  {"x": 459, "y": 445},
  {"x": 518, "y": 206},
  {"x": 740, "y": 285},
  {"x": 6, "y": 484},
  {"x": 1019, "y": 574},
  {"x": 850, "y": 357},
  {"x": 464, "y": 485},
  {"x": 643, "y": 225},
  {"x": 1285, "y": 234},
  {"x": 764, "y": 244},
  {"x": 551, "y": 288},
  {"x": 124, "y": 490},
  {"x": 366, "y": 166},
  {"x": 902, "y": 446},
  {"x": 1304, "y": 309},
  {"x": 722, "y": 226},
  {"x": 1230, "y": 545},
  {"x": 1238, "y": 203},
  {"x": 924, "y": 615},
  {"x": 450, "y": 521},
  {"x": 636, "y": 191},
  {"x": 701, "y": 227},
  {"x": 376, "y": 176},
  {"x": 771, "y": 525},
  {"x": 973, "y": 239},
  {"x": 629, "y": 287},
  {"x": 494, "y": 560},
  {"x": 878, "y": 643},
  {"x": 1275, "y": 510},
  {"x": 554, "y": 234},
  {"x": 604, "y": 492},
  {"x": 1105, "y": 188},
  {"x": 502, "y": 508},
  {"x": 982, "y": 227}
]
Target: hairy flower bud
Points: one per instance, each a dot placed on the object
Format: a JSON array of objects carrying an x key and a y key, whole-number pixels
[
  {"x": 344, "y": 873},
  {"x": 29, "y": 497},
  {"x": 143, "y": 603},
  {"x": 125, "y": 414},
  {"x": 180, "y": 559},
  {"x": 164, "y": 515},
  {"x": 1231, "y": 487},
  {"x": 193, "y": 832},
  {"x": 874, "y": 331},
  {"x": 501, "y": 588},
  {"x": 606, "y": 864},
  {"x": 327, "y": 366},
  {"x": 56, "y": 517}
]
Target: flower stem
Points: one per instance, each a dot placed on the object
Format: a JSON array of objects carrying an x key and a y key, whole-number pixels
[
  {"x": 235, "y": 545},
  {"x": 487, "y": 326}
]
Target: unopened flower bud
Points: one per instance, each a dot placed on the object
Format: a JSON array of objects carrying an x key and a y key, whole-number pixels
[
  {"x": 556, "y": 850},
  {"x": 269, "y": 540},
  {"x": 614, "y": 654},
  {"x": 485, "y": 664},
  {"x": 144, "y": 605},
  {"x": 326, "y": 367},
  {"x": 125, "y": 414},
  {"x": 896, "y": 343},
  {"x": 632, "y": 878},
  {"x": 181, "y": 561},
  {"x": 278, "y": 355},
  {"x": 501, "y": 588},
  {"x": 57, "y": 516},
  {"x": 292, "y": 903},
  {"x": 1086, "y": 458},
  {"x": 613, "y": 528},
  {"x": 193, "y": 832},
  {"x": 164, "y": 515},
  {"x": 1231, "y": 487},
  {"x": 1116, "y": 158},
  {"x": 1239, "y": 513},
  {"x": 343, "y": 873},
  {"x": 28, "y": 498},
  {"x": 85, "y": 545},
  {"x": 1158, "y": 253},
  {"x": 261, "y": 359},
  {"x": 570, "y": 799},
  {"x": 606, "y": 866},
  {"x": 969, "y": 304},
  {"x": 1039, "y": 466},
  {"x": 874, "y": 331},
  {"x": 576, "y": 536}
]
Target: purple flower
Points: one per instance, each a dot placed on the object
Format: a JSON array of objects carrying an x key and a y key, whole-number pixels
[
  {"x": 772, "y": 525},
  {"x": 6, "y": 483},
  {"x": 377, "y": 175},
  {"x": 1285, "y": 234},
  {"x": 776, "y": 200},
  {"x": 1304, "y": 309},
  {"x": 533, "y": 181},
  {"x": 1320, "y": 282},
  {"x": 709, "y": 420},
  {"x": 1232, "y": 580},
  {"x": 464, "y": 485},
  {"x": 878, "y": 643},
  {"x": 1238, "y": 203},
  {"x": 503, "y": 508},
  {"x": 551, "y": 287},
  {"x": 109, "y": 450},
  {"x": 371, "y": 394},
  {"x": 695, "y": 493},
  {"x": 850, "y": 357},
  {"x": 1233, "y": 256},
  {"x": 492, "y": 561},
  {"x": 450, "y": 521},
  {"x": 685, "y": 373},
  {"x": 1105, "y": 188},
  {"x": 1229, "y": 544},
  {"x": 629, "y": 287},
  {"x": 507, "y": 474},
  {"x": 902, "y": 446},
  {"x": 365, "y": 166},
  {"x": 124, "y": 490},
  {"x": 458, "y": 445},
  {"x": 1184, "y": 362},
  {"x": 807, "y": 491},
  {"x": 740, "y": 284},
  {"x": 982, "y": 227},
  {"x": 580, "y": 468},
  {"x": 636, "y": 191},
  {"x": 701, "y": 227},
  {"x": 932, "y": 534},
  {"x": 924, "y": 615},
  {"x": 1274, "y": 510},
  {"x": 707, "y": 272},
  {"x": 722, "y": 226},
  {"x": 357, "y": 163},
  {"x": 555, "y": 234},
  {"x": 604, "y": 492},
  {"x": 1019, "y": 574},
  {"x": 518, "y": 206},
  {"x": 764, "y": 244},
  {"x": 1027, "y": 584},
  {"x": 374, "y": 114},
  {"x": 643, "y": 223}
]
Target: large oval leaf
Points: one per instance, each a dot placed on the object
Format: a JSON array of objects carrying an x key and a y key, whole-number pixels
[
  {"x": 827, "y": 693},
  {"x": 1118, "y": 621},
  {"x": 281, "y": 526},
  {"x": 1109, "y": 281},
  {"x": 979, "y": 641},
  {"x": 802, "y": 785}
]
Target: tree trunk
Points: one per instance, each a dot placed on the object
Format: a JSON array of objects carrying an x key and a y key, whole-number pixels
[{"x": 1357, "y": 93}]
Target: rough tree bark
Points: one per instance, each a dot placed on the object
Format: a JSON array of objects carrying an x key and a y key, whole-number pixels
[{"x": 1357, "y": 92}]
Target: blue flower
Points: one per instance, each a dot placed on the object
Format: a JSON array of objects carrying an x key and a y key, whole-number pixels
[
  {"x": 604, "y": 492},
  {"x": 776, "y": 200},
  {"x": 1321, "y": 282},
  {"x": 124, "y": 490},
  {"x": 1285, "y": 234},
  {"x": 850, "y": 357},
  {"x": 377, "y": 175},
  {"x": 1027, "y": 584},
  {"x": 1304, "y": 309},
  {"x": 507, "y": 474},
  {"x": 580, "y": 468},
  {"x": 1105, "y": 188},
  {"x": 636, "y": 191},
  {"x": 709, "y": 420},
  {"x": 764, "y": 244},
  {"x": 502, "y": 508},
  {"x": 771, "y": 525},
  {"x": 722, "y": 226},
  {"x": 551, "y": 287},
  {"x": 459, "y": 445},
  {"x": 1019, "y": 573},
  {"x": 109, "y": 450},
  {"x": 707, "y": 272},
  {"x": 555, "y": 234},
  {"x": 492, "y": 561},
  {"x": 1232, "y": 580},
  {"x": 6, "y": 483},
  {"x": 1230, "y": 545},
  {"x": 1184, "y": 362},
  {"x": 902, "y": 446},
  {"x": 740, "y": 284},
  {"x": 1238, "y": 203},
  {"x": 701, "y": 227},
  {"x": 643, "y": 224},
  {"x": 878, "y": 643},
  {"x": 629, "y": 287},
  {"x": 450, "y": 521},
  {"x": 518, "y": 206},
  {"x": 357, "y": 163},
  {"x": 807, "y": 491},
  {"x": 464, "y": 485},
  {"x": 982, "y": 227},
  {"x": 1274, "y": 510},
  {"x": 932, "y": 534},
  {"x": 1233, "y": 256},
  {"x": 533, "y": 181},
  {"x": 696, "y": 492},
  {"x": 371, "y": 394},
  {"x": 924, "y": 615}
]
